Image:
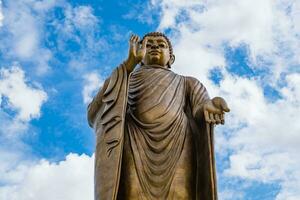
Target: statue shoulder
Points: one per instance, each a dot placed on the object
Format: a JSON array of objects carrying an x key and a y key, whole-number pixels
[
  {"x": 191, "y": 78},
  {"x": 95, "y": 104},
  {"x": 192, "y": 82},
  {"x": 108, "y": 93}
]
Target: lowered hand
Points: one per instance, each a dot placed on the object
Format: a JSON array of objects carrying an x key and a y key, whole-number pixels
[{"x": 214, "y": 110}]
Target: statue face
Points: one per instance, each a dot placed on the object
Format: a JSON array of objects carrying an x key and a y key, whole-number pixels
[{"x": 157, "y": 51}]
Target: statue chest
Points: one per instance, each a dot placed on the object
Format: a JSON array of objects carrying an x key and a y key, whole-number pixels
[{"x": 156, "y": 95}]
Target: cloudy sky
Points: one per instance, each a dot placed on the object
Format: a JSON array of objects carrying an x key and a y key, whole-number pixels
[{"x": 55, "y": 54}]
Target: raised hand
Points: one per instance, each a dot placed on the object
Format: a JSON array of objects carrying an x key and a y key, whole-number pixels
[
  {"x": 214, "y": 110},
  {"x": 136, "y": 53}
]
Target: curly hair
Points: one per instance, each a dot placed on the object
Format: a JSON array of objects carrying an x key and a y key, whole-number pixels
[{"x": 157, "y": 34}]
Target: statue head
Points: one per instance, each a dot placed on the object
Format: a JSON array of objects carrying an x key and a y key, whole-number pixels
[{"x": 159, "y": 50}]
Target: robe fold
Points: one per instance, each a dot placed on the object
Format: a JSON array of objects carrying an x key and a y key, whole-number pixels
[{"x": 152, "y": 140}]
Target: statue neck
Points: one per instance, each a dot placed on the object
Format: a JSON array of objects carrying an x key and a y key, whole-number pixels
[{"x": 157, "y": 66}]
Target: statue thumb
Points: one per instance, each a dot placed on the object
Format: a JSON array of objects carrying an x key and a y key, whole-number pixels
[{"x": 219, "y": 102}]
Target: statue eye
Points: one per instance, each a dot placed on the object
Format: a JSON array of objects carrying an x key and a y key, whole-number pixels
[
  {"x": 162, "y": 45},
  {"x": 148, "y": 45}
]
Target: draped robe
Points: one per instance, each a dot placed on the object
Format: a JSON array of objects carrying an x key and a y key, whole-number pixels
[{"x": 152, "y": 141}]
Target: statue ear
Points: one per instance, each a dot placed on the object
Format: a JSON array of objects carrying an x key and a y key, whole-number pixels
[{"x": 172, "y": 60}]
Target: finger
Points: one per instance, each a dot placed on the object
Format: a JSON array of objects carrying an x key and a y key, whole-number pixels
[
  {"x": 138, "y": 42},
  {"x": 131, "y": 38},
  {"x": 220, "y": 103},
  {"x": 206, "y": 116},
  {"x": 217, "y": 118},
  {"x": 144, "y": 43},
  {"x": 222, "y": 119},
  {"x": 136, "y": 38},
  {"x": 224, "y": 105},
  {"x": 212, "y": 118}
]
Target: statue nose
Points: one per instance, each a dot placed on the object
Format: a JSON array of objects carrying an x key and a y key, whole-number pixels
[{"x": 154, "y": 46}]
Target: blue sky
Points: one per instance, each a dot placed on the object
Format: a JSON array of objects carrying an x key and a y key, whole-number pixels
[{"x": 55, "y": 54}]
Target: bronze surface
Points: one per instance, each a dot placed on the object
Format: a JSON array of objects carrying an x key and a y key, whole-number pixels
[{"x": 154, "y": 129}]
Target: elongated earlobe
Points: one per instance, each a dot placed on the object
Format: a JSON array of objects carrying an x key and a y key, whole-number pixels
[{"x": 171, "y": 61}]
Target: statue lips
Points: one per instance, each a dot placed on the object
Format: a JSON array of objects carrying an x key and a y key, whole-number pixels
[{"x": 154, "y": 52}]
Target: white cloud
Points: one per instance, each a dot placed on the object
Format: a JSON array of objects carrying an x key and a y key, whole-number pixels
[
  {"x": 24, "y": 33},
  {"x": 81, "y": 16},
  {"x": 11, "y": 127},
  {"x": 45, "y": 5},
  {"x": 26, "y": 26},
  {"x": 79, "y": 19},
  {"x": 141, "y": 11},
  {"x": 1, "y": 14},
  {"x": 92, "y": 83},
  {"x": 261, "y": 137},
  {"x": 269, "y": 30},
  {"x": 70, "y": 179},
  {"x": 22, "y": 97},
  {"x": 20, "y": 102},
  {"x": 266, "y": 147},
  {"x": 172, "y": 9},
  {"x": 81, "y": 27},
  {"x": 230, "y": 195},
  {"x": 292, "y": 90}
]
